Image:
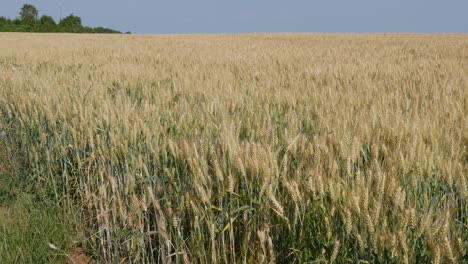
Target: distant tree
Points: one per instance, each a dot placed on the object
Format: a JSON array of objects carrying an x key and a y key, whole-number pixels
[
  {"x": 3, "y": 20},
  {"x": 28, "y": 14},
  {"x": 87, "y": 30},
  {"x": 47, "y": 24},
  {"x": 4, "y": 24},
  {"x": 17, "y": 25},
  {"x": 28, "y": 22},
  {"x": 71, "y": 23}
]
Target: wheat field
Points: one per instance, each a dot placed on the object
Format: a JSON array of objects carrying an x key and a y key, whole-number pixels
[{"x": 260, "y": 148}]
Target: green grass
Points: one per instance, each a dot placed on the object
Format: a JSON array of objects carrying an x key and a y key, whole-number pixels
[
  {"x": 27, "y": 227},
  {"x": 28, "y": 222}
]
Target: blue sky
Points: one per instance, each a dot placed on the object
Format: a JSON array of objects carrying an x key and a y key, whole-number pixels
[{"x": 245, "y": 16}]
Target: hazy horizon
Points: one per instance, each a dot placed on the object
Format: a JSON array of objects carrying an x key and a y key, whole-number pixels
[{"x": 211, "y": 17}]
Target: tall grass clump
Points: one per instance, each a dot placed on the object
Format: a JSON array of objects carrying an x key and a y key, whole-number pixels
[
  {"x": 247, "y": 148},
  {"x": 33, "y": 231}
]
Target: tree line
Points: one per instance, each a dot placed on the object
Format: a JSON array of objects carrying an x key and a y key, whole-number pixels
[{"x": 29, "y": 21}]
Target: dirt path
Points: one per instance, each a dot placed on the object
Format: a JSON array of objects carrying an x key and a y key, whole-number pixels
[{"x": 79, "y": 257}]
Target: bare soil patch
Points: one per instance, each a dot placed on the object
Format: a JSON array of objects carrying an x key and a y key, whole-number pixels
[{"x": 79, "y": 257}]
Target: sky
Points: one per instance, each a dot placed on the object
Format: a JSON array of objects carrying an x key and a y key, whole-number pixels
[{"x": 255, "y": 16}]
